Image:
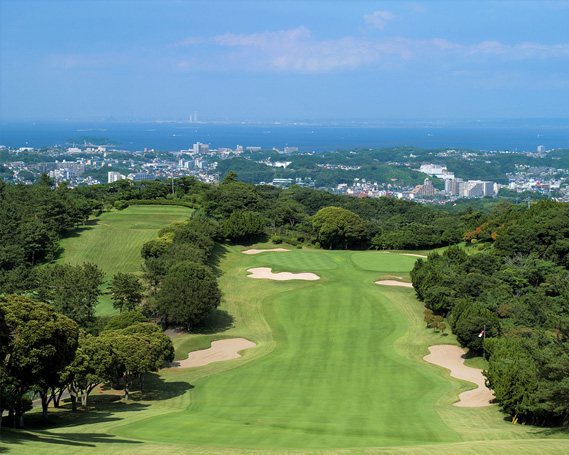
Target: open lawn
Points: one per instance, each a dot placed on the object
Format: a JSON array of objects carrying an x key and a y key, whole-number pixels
[
  {"x": 337, "y": 369},
  {"x": 113, "y": 241}
]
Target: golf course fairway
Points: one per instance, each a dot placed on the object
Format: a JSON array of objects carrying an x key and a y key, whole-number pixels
[
  {"x": 337, "y": 369},
  {"x": 113, "y": 241}
]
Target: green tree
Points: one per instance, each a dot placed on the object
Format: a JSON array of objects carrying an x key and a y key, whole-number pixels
[
  {"x": 470, "y": 322},
  {"x": 126, "y": 291},
  {"x": 189, "y": 292},
  {"x": 336, "y": 226},
  {"x": 95, "y": 362},
  {"x": 141, "y": 348},
  {"x": 72, "y": 290},
  {"x": 124, "y": 320},
  {"x": 42, "y": 344},
  {"x": 512, "y": 375},
  {"x": 243, "y": 225}
]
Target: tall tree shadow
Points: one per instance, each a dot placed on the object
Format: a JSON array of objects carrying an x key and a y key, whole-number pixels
[
  {"x": 10, "y": 437},
  {"x": 216, "y": 322},
  {"x": 158, "y": 389},
  {"x": 218, "y": 253}
]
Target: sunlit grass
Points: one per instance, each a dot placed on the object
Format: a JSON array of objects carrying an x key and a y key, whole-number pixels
[{"x": 337, "y": 369}]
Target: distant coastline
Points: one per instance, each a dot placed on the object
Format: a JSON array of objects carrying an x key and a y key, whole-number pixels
[{"x": 519, "y": 136}]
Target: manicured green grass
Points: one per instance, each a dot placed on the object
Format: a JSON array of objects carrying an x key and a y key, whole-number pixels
[
  {"x": 113, "y": 241},
  {"x": 337, "y": 369}
]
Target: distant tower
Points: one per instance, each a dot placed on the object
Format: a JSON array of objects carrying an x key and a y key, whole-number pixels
[
  {"x": 190, "y": 118},
  {"x": 195, "y": 116}
]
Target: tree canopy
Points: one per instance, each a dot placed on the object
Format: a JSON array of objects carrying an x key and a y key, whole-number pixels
[
  {"x": 338, "y": 227},
  {"x": 188, "y": 294}
]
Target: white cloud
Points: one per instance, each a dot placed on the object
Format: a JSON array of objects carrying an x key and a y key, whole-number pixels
[
  {"x": 378, "y": 19},
  {"x": 297, "y": 50}
]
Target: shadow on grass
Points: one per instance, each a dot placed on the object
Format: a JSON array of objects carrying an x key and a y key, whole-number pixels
[
  {"x": 71, "y": 439},
  {"x": 76, "y": 231},
  {"x": 73, "y": 233},
  {"x": 103, "y": 408},
  {"x": 216, "y": 322},
  {"x": 218, "y": 253},
  {"x": 157, "y": 389}
]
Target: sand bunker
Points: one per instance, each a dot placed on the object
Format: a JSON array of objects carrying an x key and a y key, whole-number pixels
[
  {"x": 219, "y": 351},
  {"x": 451, "y": 358},
  {"x": 405, "y": 254},
  {"x": 394, "y": 283},
  {"x": 262, "y": 251},
  {"x": 266, "y": 273}
]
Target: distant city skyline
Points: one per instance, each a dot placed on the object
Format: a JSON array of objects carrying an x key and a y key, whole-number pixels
[{"x": 283, "y": 61}]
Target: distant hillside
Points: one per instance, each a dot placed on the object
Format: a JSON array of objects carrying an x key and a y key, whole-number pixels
[{"x": 91, "y": 141}]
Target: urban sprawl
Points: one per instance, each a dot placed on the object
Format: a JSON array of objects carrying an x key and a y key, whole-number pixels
[{"x": 76, "y": 165}]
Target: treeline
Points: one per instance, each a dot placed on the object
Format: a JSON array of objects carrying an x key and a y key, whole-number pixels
[
  {"x": 517, "y": 287},
  {"x": 34, "y": 217},
  {"x": 43, "y": 353},
  {"x": 32, "y": 220}
]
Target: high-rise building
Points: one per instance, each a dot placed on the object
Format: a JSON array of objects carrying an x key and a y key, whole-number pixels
[
  {"x": 426, "y": 189},
  {"x": 201, "y": 148},
  {"x": 114, "y": 176}
]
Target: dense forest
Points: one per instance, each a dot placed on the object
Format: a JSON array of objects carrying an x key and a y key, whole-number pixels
[{"x": 516, "y": 287}]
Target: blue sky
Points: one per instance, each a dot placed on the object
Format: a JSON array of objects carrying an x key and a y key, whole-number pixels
[{"x": 293, "y": 60}]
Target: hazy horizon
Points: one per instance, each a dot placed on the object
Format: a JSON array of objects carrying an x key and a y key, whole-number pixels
[{"x": 312, "y": 61}]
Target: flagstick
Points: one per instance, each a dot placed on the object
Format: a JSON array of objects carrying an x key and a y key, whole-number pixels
[{"x": 484, "y": 339}]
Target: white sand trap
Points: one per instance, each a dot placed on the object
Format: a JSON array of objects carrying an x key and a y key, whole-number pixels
[
  {"x": 266, "y": 273},
  {"x": 405, "y": 254},
  {"x": 450, "y": 357},
  {"x": 220, "y": 350},
  {"x": 262, "y": 251},
  {"x": 394, "y": 283}
]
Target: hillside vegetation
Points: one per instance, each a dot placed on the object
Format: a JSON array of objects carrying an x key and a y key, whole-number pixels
[{"x": 517, "y": 288}]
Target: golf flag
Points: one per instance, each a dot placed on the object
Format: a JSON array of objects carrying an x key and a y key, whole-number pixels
[{"x": 481, "y": 333}]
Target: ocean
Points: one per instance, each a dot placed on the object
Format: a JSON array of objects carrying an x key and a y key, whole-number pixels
[{"x": 308, "y": 138}]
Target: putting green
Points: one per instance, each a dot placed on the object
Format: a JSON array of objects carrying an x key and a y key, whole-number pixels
[
  {"x": 297, "y": 261},
  {"x": 384, "y": 262}
]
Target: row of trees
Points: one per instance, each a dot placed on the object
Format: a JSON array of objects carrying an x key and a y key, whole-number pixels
[
  {"x": 521, "y": 296},
  {"x": 32, "y": 220},
  {"x": 44, "y": 353},
  {"x": 184, "y": 289}
]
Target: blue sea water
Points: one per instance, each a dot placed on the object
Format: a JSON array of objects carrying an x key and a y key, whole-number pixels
[{"x": 180, "y": 136}]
